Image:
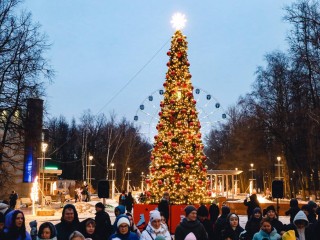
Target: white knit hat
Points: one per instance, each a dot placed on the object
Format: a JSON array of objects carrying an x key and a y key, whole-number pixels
[
  {"x": 123, "y": 220},
  {"x": 154, "y": 215}
]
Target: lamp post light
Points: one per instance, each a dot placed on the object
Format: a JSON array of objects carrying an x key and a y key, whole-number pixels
[
  {"x": 89, "y": 178},
  {"x": 142, "y": 181},
  {"x": 113, "y": 179},
  {"x": 279, "y": 167},
  {"x": 128, "y": 180},
  {"x": 293, "y": 184},
  {"x": 44, "y": 147},
  {"x": 252, "y": 179}
]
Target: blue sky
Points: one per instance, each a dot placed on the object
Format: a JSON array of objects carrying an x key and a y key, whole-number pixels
[{"x": 99, "y": 45}]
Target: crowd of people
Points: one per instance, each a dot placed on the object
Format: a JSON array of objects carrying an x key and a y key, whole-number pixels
[{"x": 202, "y": 223}]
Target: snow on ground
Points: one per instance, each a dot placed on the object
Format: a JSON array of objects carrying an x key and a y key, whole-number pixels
[{"x": 87, "y": 210}]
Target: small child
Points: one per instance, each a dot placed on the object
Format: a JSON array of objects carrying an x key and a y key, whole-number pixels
[{"x": 266, "y": 231}]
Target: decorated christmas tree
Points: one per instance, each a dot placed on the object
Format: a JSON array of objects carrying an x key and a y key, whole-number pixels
[{"x": 177, "y": 160}]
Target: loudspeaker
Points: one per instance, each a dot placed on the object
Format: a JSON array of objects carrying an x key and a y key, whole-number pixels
[
  {"x": 277, "y": 189},
  {"x": 103, "y": 189}
]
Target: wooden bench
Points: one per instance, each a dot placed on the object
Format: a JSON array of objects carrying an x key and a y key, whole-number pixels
[{"x": 26, "y": 201}]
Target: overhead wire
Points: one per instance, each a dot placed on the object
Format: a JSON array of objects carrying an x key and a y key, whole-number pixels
[{"x": 116, "y": 94}]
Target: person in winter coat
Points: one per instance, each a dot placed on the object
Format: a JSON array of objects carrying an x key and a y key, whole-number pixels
[
  {"x": 300, "y": 226},
  {"x": 214, "y": 212},
  {"x": 15, "y": 228},
  {"x": 203, "y": 214},
  {"x": 47, "y": 231},
  {"x": 69, "y": 222},
  {"x": 122, "y": 232},
  {"x": 273, "y": 217},
  {"x": 13, "y": 199},
  {"x": 119, "y": 210},
  {"x": 88, "y": 229},
  {"x": 123, "y": 198},
  {"x": 222, "y": 221},
  {"x": 312, "y": 217},
  {"x": 163, "y": 206},
  {"x": 190, "y": 227},
  {"x": 233, "y": 229},
  {"x": 104, "y": 227},
  {"x": 129, "y": 202},
  {"x": 253, "y": 225},
  {"x": 155, "y": 228},
  {"x": 133, "y": 227},
  {"x": 315, "y": 230},
  {"x": 266, "y": 231},
  {"x": 251, "y": 204},
  {"x": 293, "y": 210}
]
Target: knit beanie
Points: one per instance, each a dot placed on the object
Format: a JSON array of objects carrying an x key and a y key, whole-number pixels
[
  {"x": 312, "y": 204},
  {"x": 269, "y": 208},
  {"x": 154, "y": 215},
  {"x": 203, "y": 211},
  {"x": 123, "y": 219},
  {"x": 257, "y": 210},
  {"x": 225, "y": 210},
  {"x": 189, "y": 209},
  {"x": 289, "y": 235}
]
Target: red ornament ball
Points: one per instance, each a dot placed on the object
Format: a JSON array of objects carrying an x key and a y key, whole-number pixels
[
  {"x": 187, "y": 166},
  {"x": 168, "y": 53},
  {"x": 160, "y": 182}
]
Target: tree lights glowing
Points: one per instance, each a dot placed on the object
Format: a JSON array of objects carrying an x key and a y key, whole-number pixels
[
  {"x": 177, "y": 160},
  {"x": 178, "y": 21}
]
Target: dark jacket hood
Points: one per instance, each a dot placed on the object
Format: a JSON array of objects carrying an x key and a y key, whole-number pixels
[
  {"x": 76, "y": 217},
  {"x": 294, "y": 203},
  {"x": 121, "y": 209}
]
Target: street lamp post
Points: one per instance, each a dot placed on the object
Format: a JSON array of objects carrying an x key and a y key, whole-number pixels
[
  {"x": 252, "y": 179},
  {"x": 89, "y": 178},
  {"x": 113, "y": 177},
  {"x": 279, "y": 165},
  {"x": 44, "y": 147},
  {"x": 142, "y": 181},
  {"x": 128, "y": 180},
  {"x": 236, "y": 183}
]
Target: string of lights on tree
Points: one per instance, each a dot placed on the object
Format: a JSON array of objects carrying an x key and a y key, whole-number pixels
[{"x": 177, "y": 160}]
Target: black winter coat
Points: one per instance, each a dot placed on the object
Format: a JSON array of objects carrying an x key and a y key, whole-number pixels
[
  {"x": 228, "y": 232},
  {"x": 186, "y": 227},
  {"x": 64, "y": 229},
  {"x": 278, "y": 225},
  {"x": 221, "y": 224},
  {"x": 103, "y": 225},
  {"x": 252, "y": 227},
  {"x": 208, "y": 226}
]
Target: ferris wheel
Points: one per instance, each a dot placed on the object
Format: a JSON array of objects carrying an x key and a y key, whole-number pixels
[{"x": 210, "y": 113}]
